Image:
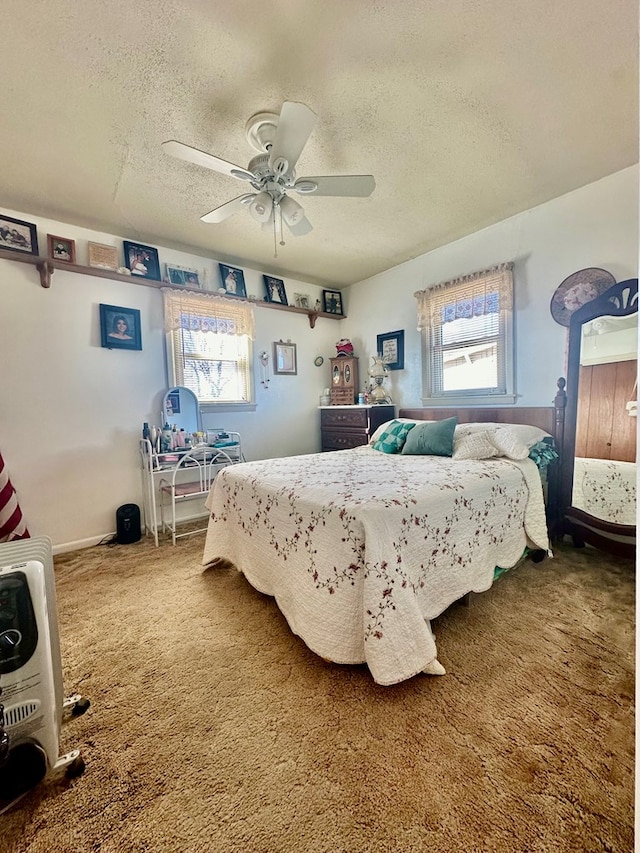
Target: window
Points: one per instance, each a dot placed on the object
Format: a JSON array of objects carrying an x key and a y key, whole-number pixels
[
  {"x": 467, "y": 327},
  {"x": 209, "y": 346}
]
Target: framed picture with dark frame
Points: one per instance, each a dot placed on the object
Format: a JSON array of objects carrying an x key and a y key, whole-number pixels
[
  {"x": 285, "y": 359},
  {"x": 120, "y": 327},
  {"x": 61, "y": 249},
  {"x": 274, "y": 290},
  {"x": 142, "y": 260},
  {"x": 18, "y": 236},
  {"x": 332, "y": 302},
  {"x": 391, "y": 349},
  {"x": 232, "y": 281}
]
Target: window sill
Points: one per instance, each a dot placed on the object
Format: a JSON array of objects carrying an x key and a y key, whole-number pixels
[
  {"x": 468, "y": 401},
  {"x": 227, "y": 407}
]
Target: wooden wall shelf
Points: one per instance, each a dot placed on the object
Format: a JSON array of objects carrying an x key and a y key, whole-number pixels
[{"x": 47, "y": 266}]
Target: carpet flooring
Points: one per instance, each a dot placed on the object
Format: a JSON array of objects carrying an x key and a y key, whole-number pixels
[{"x": 213, "y": 728}]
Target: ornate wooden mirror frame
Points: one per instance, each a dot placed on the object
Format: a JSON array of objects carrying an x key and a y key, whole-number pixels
[{"x": 620, "y": 300}]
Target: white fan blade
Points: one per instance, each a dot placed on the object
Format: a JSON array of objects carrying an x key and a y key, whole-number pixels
[
  {"x": 356, "y": 186},
  {"x": 219, "y": 214},
  {"x": 201, "y": 158},
  {"x": 294, "y": 128},
  {"x": 301, "y": 227}
]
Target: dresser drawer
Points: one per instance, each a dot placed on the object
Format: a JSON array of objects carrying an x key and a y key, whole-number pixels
[
  {"x": 345, "y": 418},
  {"x": 342, "y": 439}
]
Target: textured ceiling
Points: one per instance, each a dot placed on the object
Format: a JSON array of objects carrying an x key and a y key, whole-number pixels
[{"x": 465, "y": 111}]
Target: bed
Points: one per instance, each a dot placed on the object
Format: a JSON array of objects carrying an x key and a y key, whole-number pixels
[
  {"x": 606, "y": 489},
  {"x": 361, "y": 549}
]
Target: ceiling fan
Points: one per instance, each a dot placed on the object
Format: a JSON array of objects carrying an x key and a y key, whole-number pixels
[{"x": 271, "y": 174}]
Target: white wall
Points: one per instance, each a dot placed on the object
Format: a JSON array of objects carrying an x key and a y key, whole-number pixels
[
  {"x": 595, "y": 226},
  {"x": 72, "y": 412}
]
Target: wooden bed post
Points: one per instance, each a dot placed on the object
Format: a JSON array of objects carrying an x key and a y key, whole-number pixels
[{"x": 556, "y": 510}]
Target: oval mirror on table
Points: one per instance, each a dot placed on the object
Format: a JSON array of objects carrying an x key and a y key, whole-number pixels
[
  {"x": 598, "y": 478},
  {"x": 180, "y": 408}
]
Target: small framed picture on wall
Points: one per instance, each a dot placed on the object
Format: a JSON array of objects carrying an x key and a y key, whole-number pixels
[
  {"x": 18, "y": 236},
  {"x": 332, "y": 302},
  {"x": 142, "y": 260},
  {"x": 61, "y": 249},
  {"x": 120, "y": 327},
  {"x": 391, "y": 349},
  {"x": 275, "y": 290},
  {"x": 232, "y": 281}
]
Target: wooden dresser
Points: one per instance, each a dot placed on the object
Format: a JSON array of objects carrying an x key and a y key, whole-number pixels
[{"x": 342, "y": 427}]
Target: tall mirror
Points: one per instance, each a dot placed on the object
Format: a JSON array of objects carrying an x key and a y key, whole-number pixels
[
  {"x": 180, "y": 407},
  {"x": 598, "y": 480}
]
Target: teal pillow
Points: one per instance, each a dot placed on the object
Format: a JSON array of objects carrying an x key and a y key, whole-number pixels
[
  {"x": 392, "y": 438},
  {"x": 432, "y": 439}
]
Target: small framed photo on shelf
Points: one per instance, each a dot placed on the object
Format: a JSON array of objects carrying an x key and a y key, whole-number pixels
[
  {"x": 182, "y": 276},
  {"x": 142, "y": 260},
  {"x": 332, "y": 302},
  {"x": 285, "y": 361},
  {"x": 391, "y": 349},
  {"x": 18, "y": 236},
  {"x": 302, "y": 300},
  {"x": 104, "y": 257},
  {"x": 274, "y": 290},
  {"x": 61, "y": 249},
  {"x": 120, "y": 327},
  {"x": 232, "y": 281}
]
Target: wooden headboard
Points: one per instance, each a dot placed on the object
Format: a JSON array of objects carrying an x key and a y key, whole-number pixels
[{"x": 548, "y": 418}]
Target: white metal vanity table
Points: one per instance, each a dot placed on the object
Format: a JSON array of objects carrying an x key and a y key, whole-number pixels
[{"x": 173, "y": 476}]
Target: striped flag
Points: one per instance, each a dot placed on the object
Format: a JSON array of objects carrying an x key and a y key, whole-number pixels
[{"x": 12, "y": 525}]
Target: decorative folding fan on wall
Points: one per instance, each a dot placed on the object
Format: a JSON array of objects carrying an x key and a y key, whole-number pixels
[{"x": 271, "y": 174}]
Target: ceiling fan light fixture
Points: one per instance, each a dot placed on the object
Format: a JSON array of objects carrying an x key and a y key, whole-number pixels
[
  {"x": 261, "y": 206},
  {"x": 303, "y": 186},
  {"x": 292, "y": 212}
]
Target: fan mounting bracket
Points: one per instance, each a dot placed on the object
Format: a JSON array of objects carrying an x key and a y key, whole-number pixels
[{"x": 260, "y": 130}]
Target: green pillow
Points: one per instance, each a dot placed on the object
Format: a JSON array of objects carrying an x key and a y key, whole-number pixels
[
  {"x": 432, "y": 439},
  {"x": 392, "y": 438}
]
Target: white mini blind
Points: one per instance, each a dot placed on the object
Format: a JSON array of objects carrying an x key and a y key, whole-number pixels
[
  {"x": 467, "y": 326},
  {"x": 210, "y": 345}
]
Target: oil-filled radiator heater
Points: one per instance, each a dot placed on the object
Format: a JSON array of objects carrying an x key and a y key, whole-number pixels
[{"x": 33, "y": 705}]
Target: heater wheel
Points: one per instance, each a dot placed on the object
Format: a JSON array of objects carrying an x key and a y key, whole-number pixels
[
  {"x": 76, "y": 768},
  {"x": 75, "y": 706}
]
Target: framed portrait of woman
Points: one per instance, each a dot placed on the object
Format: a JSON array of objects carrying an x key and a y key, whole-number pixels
[{"x": 120, "y": 327}]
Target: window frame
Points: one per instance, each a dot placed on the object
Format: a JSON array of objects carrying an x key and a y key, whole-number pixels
[
  {"x": 505, "y": 340},
  {"x": 215, "y": 310}
]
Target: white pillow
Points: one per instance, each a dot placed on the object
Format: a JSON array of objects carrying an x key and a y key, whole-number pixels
[
  {"x": 509, "y": 444},
  {"x": 488, "y": 444},
  {"x": 474, "y": 445},
  {"x": 528, "y": 435},
  {"x": 376, "y": 435}
]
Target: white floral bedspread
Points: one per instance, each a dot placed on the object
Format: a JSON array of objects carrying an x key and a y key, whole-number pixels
[
  {"x": 605, "y": 488},
  {"x": 361, "y": 549}
]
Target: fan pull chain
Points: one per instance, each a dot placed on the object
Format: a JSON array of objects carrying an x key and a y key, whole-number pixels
[{"x": 275, "y": 239}]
